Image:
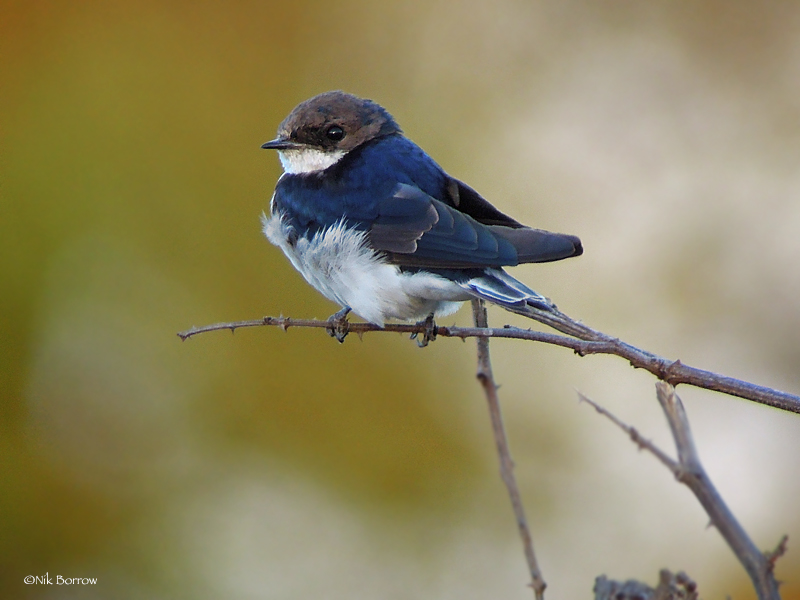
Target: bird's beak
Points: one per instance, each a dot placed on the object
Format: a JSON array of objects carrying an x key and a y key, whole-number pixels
[{"x": 281, "y": 144}]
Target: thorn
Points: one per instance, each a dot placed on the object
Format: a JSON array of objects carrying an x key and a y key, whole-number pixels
[{"x": 773, "y": 556}]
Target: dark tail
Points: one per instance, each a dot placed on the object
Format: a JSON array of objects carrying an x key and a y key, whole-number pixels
[{"x": 537, "y": 245}]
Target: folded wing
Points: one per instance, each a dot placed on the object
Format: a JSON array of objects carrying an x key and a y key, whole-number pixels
[{"x": 417, "y": 230}]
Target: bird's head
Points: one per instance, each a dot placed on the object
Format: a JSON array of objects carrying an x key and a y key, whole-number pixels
[{"x": 321, "y": 130}]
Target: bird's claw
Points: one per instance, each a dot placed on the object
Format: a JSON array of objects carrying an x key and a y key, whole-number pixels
[
  {"x": 338, "y": 325},
  {"x": 427, "y": 335}
]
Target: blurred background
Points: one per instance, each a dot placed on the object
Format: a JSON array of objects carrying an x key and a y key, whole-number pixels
[{"x": 282, "y": 465}]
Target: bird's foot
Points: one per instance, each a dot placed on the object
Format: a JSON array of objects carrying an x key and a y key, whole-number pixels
[
  {"x": 427, "y": 335},
  {"x": 338, "y": 326}
]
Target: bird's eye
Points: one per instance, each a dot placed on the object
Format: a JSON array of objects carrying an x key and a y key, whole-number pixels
[{"x": 334, "y": 133}]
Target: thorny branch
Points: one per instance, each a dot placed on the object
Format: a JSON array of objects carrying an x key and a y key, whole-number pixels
[
  {"x": 581, "y": 339},
  {"x": 689, "y": 470},
  {"x": 486, "y": 378},
  {"x": 584, "y": 340}
]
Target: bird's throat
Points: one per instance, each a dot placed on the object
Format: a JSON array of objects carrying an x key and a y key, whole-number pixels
[{"x": 308, "y": 160}]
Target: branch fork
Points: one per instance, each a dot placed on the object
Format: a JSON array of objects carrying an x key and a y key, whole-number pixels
[{"x": 584, "y": 340}]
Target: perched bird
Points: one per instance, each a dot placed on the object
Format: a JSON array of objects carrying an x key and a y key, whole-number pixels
[{"x": 375, "y": 225}]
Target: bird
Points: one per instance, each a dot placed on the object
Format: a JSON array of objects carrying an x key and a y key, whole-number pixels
[{"x": 379, "y": 228}]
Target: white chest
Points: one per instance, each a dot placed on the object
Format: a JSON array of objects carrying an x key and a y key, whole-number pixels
[{"x": 341, "y": 266}]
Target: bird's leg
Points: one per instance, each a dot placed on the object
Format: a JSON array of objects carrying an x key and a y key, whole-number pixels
[
  {"x": 428, "y": 334},
  {"x": 338, "y": 327}
]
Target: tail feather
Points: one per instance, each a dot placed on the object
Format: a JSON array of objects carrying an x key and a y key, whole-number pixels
[
  {"x": 498, "y": 287},
  {"x": 537, "y": 245}
]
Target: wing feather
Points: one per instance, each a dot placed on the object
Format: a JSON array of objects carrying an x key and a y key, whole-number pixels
[{"x": 417, "y": 230}]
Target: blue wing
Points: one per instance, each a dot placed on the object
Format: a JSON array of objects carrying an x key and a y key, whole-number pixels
[{"x": 417, "y": 230}]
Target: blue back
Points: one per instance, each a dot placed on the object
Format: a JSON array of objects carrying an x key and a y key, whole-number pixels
[
  {"x": 394, "y": 191},
  {"x": 355, "y": 187}
]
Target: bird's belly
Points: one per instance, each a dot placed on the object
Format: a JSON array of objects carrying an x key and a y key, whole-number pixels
[{"x": 340, "y": 265}]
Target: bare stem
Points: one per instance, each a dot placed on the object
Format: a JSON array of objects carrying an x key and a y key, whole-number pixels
[
  {"x": 756, "y": 563},
  {"x": 486, "y": 378},
  {"x": 589, "y": 341},
  {"x": 689, "y": 470}
]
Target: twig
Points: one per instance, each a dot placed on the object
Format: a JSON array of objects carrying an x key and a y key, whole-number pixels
[
  {"x": 756, "y": 563},
  {"x": 689, "y": 470},
  {"x": 589, "y": 341},
  {"x": 671, "y": 586},
  {"x": 635, "y": 436},
  {"x": 486, "y": 378},
  {"x": 780, "y": 550},
  {"x": 673, "y": 372}
]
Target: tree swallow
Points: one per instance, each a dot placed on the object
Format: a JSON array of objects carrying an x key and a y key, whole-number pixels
[{"x": 375, "y": 225}]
